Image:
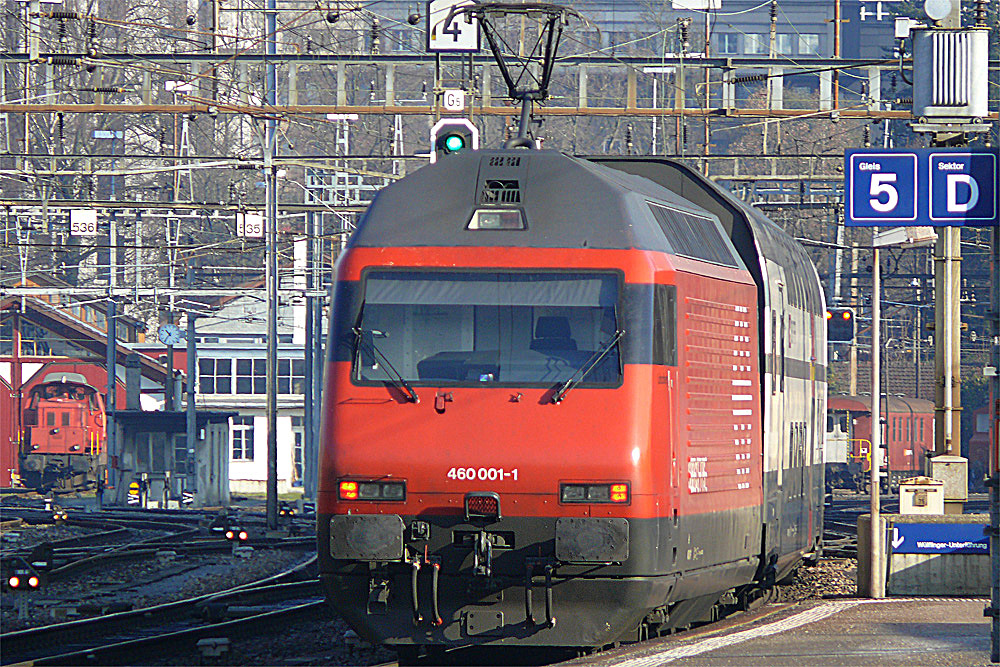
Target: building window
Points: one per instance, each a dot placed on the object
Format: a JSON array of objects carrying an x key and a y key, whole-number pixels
[
  {"x": 298, "y": 445},
  {"x": 401, "y": 40},
  {"x": 251, "y": 376},
  {"x": 241, "y": 433},
  {"x": 784, "y": 44},
  {"x": 808, "y": 45},
  {"x": 756, "y": 44},
  {"x": 182, "y": 463},
  {"x": 215, "y": 376},
  {"x": 291, "y": 376},
  {"x": 729, "y": 43}
]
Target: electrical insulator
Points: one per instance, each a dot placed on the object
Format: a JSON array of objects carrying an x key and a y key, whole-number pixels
[{"x": 774, "y": 11}]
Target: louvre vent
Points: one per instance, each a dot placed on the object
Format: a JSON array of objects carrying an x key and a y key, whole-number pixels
[
  {"x": 497, "y": 191},
  {"x": 950, "y": 74},
  {"x": 505, "y": 161},
  {"x": 693, "y": 236}
]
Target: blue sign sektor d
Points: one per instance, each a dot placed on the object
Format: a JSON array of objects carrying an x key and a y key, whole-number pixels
[
  {"x": 939, "y": 538},
  {"x": 927, "y": 186}
]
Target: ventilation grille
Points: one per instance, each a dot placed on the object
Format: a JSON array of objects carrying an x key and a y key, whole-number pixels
[
  {"x": 505, "y": 161},
  {"x": 497, "y": 191},
  {"x": 693, "y": 236},
  {"x": 951, "y": 74}
]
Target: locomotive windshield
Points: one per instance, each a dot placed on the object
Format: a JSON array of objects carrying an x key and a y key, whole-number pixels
[{"x": 478, "y": 328}]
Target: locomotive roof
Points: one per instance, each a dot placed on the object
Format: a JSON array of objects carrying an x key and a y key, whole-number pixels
[
  {"x": 754, "y": 234},
  {"x": 63, "y": 378},
  {"x": 567, "y": 203}
]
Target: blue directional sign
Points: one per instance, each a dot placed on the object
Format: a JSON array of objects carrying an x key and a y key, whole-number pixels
[
  {"x": 927, "y": 186},
  {"x": 939, "y": 538}
]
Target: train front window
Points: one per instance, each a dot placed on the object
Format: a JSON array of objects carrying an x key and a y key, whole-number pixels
[{"x": 472, "y": 328}]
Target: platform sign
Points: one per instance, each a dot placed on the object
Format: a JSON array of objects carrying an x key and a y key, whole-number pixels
[
  {"x": 963, "y": 188},
  {"x": 921, "y": 187},
  {"x": 882, "y": 188},
  {"x": 940, "y": 538},
  {"x": 451, "y": 32}
]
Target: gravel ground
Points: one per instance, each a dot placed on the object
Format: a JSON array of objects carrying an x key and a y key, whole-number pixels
[
  {"x": 829, "y": 578},
  {"x": 313, "y": 641},
  {"x": 26, "y": 536}
]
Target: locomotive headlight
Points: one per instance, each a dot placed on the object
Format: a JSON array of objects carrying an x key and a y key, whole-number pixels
[
  {"x": 615, "y": 492},
  {"x": 372, "y": 490},
  {"x": 14, "y": 582}
]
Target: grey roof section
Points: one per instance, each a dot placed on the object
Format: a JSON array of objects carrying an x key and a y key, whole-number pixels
[
  {"x": 754, "y": 235},
  {"x": 568, "y": 203}
]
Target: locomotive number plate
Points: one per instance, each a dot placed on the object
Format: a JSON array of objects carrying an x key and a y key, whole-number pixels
[{"x": 483, "y": 474}]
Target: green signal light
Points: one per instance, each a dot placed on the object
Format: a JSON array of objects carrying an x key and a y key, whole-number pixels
[{"x": 454, "y": 143}]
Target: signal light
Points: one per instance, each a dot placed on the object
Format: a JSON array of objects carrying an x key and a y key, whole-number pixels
[
  {"x": 453, "y": 135},
  {"x": 24, "y": 581},
  {"x": 237, "y": 535},
  {"x": 348, "y": 490},
  {"x": 840, "y": 326}
]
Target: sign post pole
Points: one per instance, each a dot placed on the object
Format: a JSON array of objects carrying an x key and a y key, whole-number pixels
[
  {"x": 877, "y": 569},
  {"x": 995, "y": 454}
]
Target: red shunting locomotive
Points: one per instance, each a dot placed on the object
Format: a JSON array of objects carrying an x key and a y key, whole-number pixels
[
  {"x": 63, "y": 438},
  {"x": 566, "y": 405}
]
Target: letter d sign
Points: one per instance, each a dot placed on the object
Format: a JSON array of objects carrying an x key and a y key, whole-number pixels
[
  {"x": 963, "y": 188},
  {"x": 971, "y": 198}
]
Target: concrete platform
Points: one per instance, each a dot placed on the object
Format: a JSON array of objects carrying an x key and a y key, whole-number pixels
[{"x": 835, "y": 633}]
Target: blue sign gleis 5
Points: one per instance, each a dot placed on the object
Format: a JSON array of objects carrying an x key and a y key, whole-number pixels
[{"x": 928, "y": 186}]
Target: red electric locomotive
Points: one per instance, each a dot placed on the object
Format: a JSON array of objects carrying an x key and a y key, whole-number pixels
[
  {"x": 566, "y": 405},
  {"x": 907, "y": 438},
  {"x": 63, "y": 442}
]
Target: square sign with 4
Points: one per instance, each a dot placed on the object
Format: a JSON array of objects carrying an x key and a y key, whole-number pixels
[{"x": 886, "y": 188}]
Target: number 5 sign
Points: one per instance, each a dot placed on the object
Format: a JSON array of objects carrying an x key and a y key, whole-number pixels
[
  {"x": 449, "y": 30},
  {"x": 885, "y": 188}
]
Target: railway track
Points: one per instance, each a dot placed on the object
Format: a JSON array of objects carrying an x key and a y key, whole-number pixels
[
  {"x": 115, "y": 638},
  {"x": 119, "y": 538}
]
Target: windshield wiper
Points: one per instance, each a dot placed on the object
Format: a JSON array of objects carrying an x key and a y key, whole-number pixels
[
  {"x": 584, "y": 370},
  {"x": 394, "y": 376}
]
